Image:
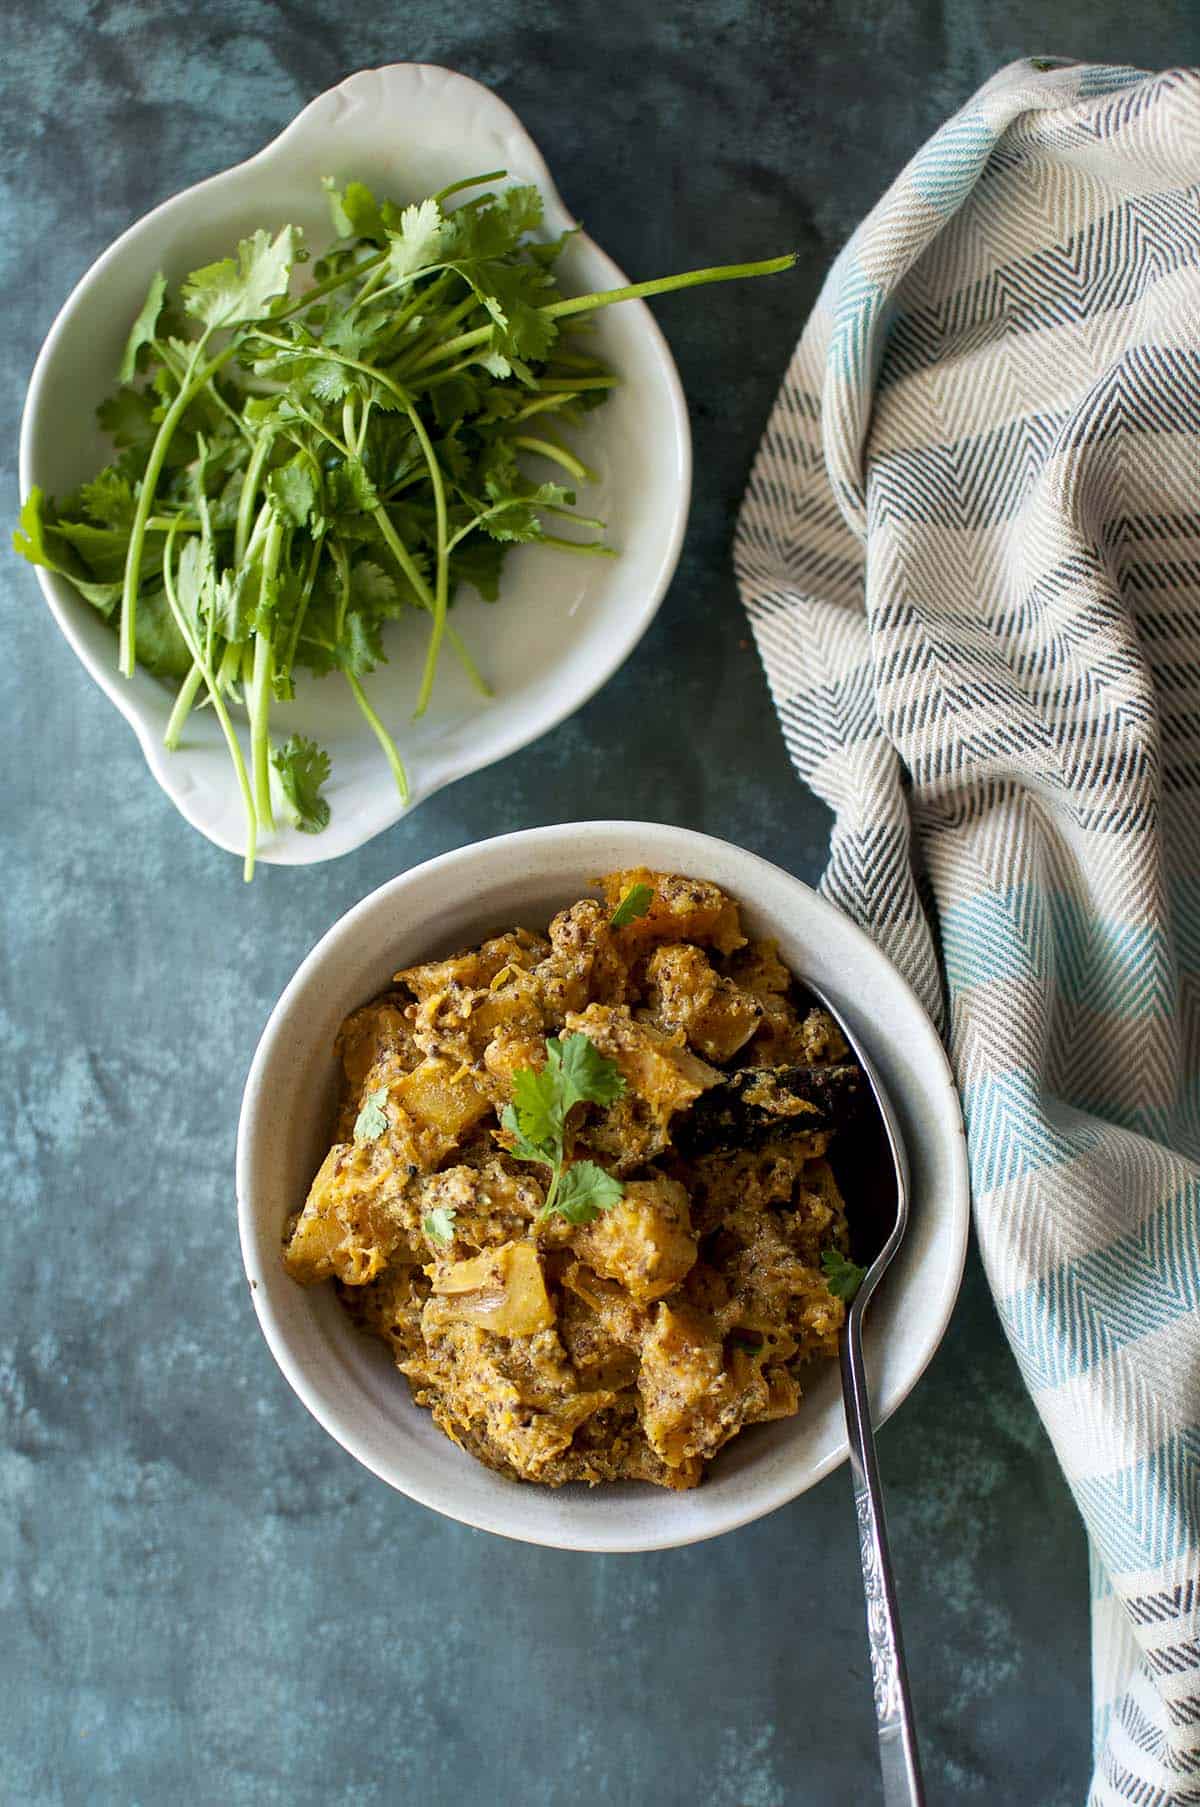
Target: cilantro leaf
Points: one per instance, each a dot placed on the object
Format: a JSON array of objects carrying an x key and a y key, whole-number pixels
[
  {"x": 238, "y": 289},
  {"x": 372, "y": 1119},
  {"x": 375, "y": 592},
  {"x": 128, "y": 417},
  {"x": 538, "y": 1104},
  {"x": 109, "y": 498},
  {"x": 354, "y": 210},
  {"x": 29, "y": 540},
  {"x": 419, "y": 241},
  {"x": 303, "y": 768},
  {"x": 843, "y": 1277},
  {"x": 522, "y": 1147},
  {"x": 585, "y": 1191},
  {"x": 635, "y": 903},
  {"x": 439, "y": 1223},
  {"x": 142, "y": 331},
  {"x": 575, "y": 1073},
  {"x": 293, "y": 490},
  {"x": 582, "y": 1074}
]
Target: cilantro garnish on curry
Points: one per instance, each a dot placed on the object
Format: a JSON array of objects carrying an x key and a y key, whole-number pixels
[{"x": 580, "y": 1186}]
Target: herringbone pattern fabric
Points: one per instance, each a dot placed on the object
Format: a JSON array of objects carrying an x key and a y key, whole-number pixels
[{"x": 970, "y": 552}]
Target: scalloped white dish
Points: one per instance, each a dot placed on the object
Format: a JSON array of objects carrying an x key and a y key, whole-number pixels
[{"x": 562, "y": 625}]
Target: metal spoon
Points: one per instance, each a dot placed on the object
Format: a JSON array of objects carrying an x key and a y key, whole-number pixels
[{"x": 882, "y": 1197}]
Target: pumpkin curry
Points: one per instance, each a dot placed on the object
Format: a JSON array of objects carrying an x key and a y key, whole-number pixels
[{"x": 579, "y": 1186}]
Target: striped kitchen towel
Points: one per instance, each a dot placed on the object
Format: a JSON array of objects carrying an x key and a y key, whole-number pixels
[{"x": 970, "y": 552}]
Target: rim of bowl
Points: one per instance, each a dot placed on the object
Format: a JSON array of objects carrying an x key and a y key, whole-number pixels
[
  {"x": 65, "y": 606},
  {"x": 955, "y": 1210}
]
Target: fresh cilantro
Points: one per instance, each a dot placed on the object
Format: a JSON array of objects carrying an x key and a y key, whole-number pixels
[
  {"x": 245, "y": 287},
  {"x": 295, "y": 492},
  {"x": 419, "y": 241},
  {"x": 636, "y": 902},
  {"x": 354, "y": 211},
  {"x": 843, "y": 1277},
  {"x": 372, "y": 1119},
  {"x": 584, "y": 1191},
  {"x": 303, "y": 768},
  {"x": 142, "y": 331},
  {"x": 108, "y": 499},
  {"x": 439, "y": 1223},
  {"x": 536, "y": 1121},
  {"x": 297, "y": 463}
]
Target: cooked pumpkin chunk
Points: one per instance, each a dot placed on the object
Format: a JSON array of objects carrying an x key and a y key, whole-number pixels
[
  {"x": 440, "y": 1097},
  {"x": 390, "y": 1306},
  {"x": 692, "y": 1402},
  {"x": 502, "y": 1290},
  {"x": 661, "y": 1077},
  {"x": 484, "y": 1205},
  {"x": 645, "y": 1242},
  {"x": 685, "y": 993},
  {"x": 679, "y": 1380},
  {"x": 475, "y": 969},
  {"x": 369, "y": 1033},
  {"x": 585, "y": 962},
  {"x": 682, "y": 909},
  {"x": 757, "y": 967},
  {"x": 351, "y": 1222}
]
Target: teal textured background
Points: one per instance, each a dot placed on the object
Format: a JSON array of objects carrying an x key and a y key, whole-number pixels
[{"x": 203, "y": 1598}]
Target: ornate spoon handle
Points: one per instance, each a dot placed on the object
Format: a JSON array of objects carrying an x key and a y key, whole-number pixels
[{"x": 898, "y": 1758}]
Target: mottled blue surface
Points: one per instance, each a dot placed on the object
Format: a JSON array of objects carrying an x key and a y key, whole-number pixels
[{"x": 203, "y": 1598}]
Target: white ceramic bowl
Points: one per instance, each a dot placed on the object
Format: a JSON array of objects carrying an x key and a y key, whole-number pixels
[
  {"x": 563, "y": 624},
  {"x": 347, "y": 1380}
]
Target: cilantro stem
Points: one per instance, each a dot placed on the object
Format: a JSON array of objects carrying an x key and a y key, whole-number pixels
[
  {"x": 322, "y": 432},
  {"x": 419, "y": 300},
  {"x": 549, "y": 384},
  {"x": 584, "y": 548},
  {"x": 249, "y": 491},
  {"x": 411, "y": 570},
  {"x": 441, "y": 572},
  {"x": 442, "y": 569},
  {"x": 572, "y": 361},
  {"x": 259, "y": 700},
  {"x": 457, "y": 645},
  {"x": 552, "y": 1190},
  {"x": 163, "y": 353},
  {"x": 453, "y": 188},
  {"x": 259, "y": 706},
  {"x": 382, "y": 736},
  {"x": 127, "y": 654},
  {"x": 572, "y": 514},
  {"x": 230, "y": 667},
  {"x": 183, "y": 707},
  {"x": 548, "y": 448},
  {"x": 218, "y": 703},
  {"x": 331, "y": 283},
  {"x": 666, "y": 285},
  {"x": 310, "y": 577},
  {"x": 635, "y": 291},
  {"x": 544, "y": 404},
  {"x": 403, "y": 556}
]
